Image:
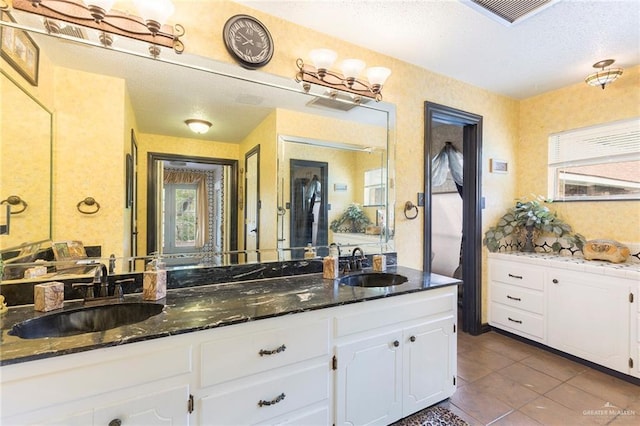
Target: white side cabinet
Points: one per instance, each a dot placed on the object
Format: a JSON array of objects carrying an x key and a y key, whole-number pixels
[
  {"x": 386, "y": 370},
  {"x": 592, "y": 315}
]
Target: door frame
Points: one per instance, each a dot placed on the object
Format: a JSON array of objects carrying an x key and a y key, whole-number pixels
[
  {"x": 152, "y": 191},
  {"x": 254, "y": 151},
  {"x": 324, "y": 178},
  {"x": 471, "y": 210}
]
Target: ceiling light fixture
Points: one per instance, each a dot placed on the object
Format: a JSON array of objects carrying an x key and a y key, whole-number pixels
[
  {"x": 198, "y": 126},
  {"x": 97, "y": 14},
  {"x": 348, "y": 81},
  {"x": 604, "y": 76}
]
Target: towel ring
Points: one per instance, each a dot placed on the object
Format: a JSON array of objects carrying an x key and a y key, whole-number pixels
[
  {"x": 89, "y": 201},
  {"x": 15, "y": 200},
  {"x": 408, "y": 206}
]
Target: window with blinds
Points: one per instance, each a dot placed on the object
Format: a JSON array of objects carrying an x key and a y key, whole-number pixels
[{"x": 596, "y": 163}]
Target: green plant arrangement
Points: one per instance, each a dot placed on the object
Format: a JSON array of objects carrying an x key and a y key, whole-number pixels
[
  {"x": 353, "y": 219},
  {"x": 530, "y": 219}
]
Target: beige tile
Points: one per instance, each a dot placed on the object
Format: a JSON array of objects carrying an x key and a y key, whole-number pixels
[
  {"x": 469, "y": 370},
  {"x": 515, "y": 418},
  {"x": 456, "y": 410},
  {"x": 551, "y": 413},
  {"x": 554, "y": 365},
  {"x": 583, "y": 402},
  {"x": 509, "y": 347},
  {"x": 606, "y": 387},
  {"x": 506, "y": 390},
  {"x": 461, "y": 382},
  {"x": 487, "y": 358},
  {"x": 530, "y": 378},
  {"x": 482, "y": 406}
]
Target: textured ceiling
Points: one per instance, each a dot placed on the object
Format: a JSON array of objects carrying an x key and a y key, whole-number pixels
[{"x": 552, "y": 48}]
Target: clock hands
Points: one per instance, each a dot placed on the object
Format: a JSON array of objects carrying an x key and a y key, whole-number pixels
[{"x": 248, "y": 40}]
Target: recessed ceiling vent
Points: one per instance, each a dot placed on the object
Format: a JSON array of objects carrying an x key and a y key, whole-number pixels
[
  {"x": 510, "y": 11},
  {"x": 336, "y": 101},
  {"x": 55, "y": 27}
]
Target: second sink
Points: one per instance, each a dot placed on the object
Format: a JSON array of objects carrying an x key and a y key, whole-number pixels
[
  {"x": 85, "y": 320},
  {"x": 373, "y": 279}
]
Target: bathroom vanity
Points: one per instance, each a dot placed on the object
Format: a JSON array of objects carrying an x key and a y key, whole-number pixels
[
  {"x": 291, "y": 350},
  {"x": 588, "y": 309}
]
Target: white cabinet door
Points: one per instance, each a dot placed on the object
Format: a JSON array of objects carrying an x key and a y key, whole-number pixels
[
  {"x": 369, "y": 381},
  {"x": 429, "y": 363},
  {"x": 162, "y": 408},
  {"x": 588, "y": 316}
]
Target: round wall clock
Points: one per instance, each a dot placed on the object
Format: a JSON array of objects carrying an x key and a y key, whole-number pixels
[{"x": 248, "y": 41}]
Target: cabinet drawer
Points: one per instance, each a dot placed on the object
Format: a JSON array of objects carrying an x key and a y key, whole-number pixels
[
  {"x": 517, "y": 321},
  {"x": 518, "y": 297},
  {"x": 517, "y": 274},
  {"x": 264, "y": 400},
  {"x": 239, "y": 356},
  {"x": 381, "y": 313}
]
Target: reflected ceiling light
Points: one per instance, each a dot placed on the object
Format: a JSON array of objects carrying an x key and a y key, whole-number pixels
[
  {"x": 604, "y": 76},
  {"x": 348, "y": 81},
  {"x": 97, "y": 14},
  {"x": 198, "y": 126}
]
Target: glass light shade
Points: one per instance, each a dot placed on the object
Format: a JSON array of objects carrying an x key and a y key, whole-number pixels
[
  {"x": 323, "y": 58},
  {"x": 602, "y": 78},
  {"x": 351, "y": 68},
  {"x": 155, "y": 10},
  {"x": 378, "y": 75},
  {"x": 105, "y": 5},
  {"x": 198, "y": 126}
]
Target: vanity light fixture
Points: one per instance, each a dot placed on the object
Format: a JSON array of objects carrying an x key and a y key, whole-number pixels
[
  {"x": 97, "y": 14},
  {"x": 198, "y": 126},
  {"x": 604, "y": 76},
  {"x": 348, "y": 81}
]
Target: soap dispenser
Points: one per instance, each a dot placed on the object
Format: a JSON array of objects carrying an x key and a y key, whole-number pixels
[{"x": 154, "y": 281}]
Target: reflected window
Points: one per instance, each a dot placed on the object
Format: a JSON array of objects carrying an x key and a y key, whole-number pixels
[
  {"x": 180, "y": 217},
  {"x": 374, "y": 189},
  {"x": 596, "y": 163}
]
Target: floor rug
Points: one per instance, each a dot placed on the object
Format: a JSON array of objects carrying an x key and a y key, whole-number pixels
[{"x": 432, "y": 416}]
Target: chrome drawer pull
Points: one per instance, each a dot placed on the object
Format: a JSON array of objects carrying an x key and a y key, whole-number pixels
[
  {"x": 516, "y": 276},
  {"x": 279, "y": 349},
  {"x": 263, "y": 403},
  {"x": 517, "y": 299},
  {"x": 516, "y": 321}
]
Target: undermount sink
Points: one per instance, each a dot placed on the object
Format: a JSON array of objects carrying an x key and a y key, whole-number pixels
[
  {"x": 373, "y": 279},
  {"x": 85, "y": 320}
]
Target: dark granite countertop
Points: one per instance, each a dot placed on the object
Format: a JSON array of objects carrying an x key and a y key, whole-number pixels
[{"x": 205, "y": 307}]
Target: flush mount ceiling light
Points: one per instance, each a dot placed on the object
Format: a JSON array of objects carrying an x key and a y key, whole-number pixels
[
  {"x": 347, "y": 81},
  {"x": 604, "y": 76},
  {"x": 97, "y": 14},
  {"x": 198, "y": 126}
]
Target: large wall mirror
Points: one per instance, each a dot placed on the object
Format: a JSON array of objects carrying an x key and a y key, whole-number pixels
[
  {"x": 261, "y": 125},
  {"x": 25, "y": 179}
]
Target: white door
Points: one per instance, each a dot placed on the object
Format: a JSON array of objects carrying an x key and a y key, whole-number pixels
[
  {"x": 429, "y": 364},
  {"x": 369, "y": 381},
  {"x": 251, "y": 220},
  {"x": 588, "y": 316}
]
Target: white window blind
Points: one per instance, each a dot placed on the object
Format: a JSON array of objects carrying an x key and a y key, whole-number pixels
[{"x": 620, "y": 138}]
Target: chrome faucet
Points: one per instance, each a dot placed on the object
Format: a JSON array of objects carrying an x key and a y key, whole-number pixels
[
  {"x": 101, "y": 278},
  {"x": 356, "y": 262}
]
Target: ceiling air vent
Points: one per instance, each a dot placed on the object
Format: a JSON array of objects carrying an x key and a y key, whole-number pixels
[
  {"x": 337, "y": 101},
  {"x": 56, "y": 27},
  {"x": 509, "y": 11}
]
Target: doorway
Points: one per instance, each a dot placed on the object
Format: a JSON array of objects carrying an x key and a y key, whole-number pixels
[
  {"x": 216, "y": 216},
  {"x": 252, "y": 207},
  {"x": 470, "y": 253},
  {"x": 308, "y": 224}
]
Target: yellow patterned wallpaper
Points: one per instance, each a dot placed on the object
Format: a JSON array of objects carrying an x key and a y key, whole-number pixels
[{"x": 569, "y": 108}]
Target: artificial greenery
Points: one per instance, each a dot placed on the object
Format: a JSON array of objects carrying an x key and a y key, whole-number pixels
[
  {"x": 532, "y": 215},
  {"x": 353, "y": 219}
]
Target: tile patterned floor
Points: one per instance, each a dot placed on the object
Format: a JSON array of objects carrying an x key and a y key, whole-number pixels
[{"x": 502, "y": 381}]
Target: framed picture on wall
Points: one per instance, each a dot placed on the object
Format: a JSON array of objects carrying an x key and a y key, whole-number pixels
[{"x": 19, "y": 50}]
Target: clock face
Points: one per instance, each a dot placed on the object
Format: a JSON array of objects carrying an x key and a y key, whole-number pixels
[{"x": 248, "y": 40}]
